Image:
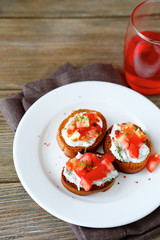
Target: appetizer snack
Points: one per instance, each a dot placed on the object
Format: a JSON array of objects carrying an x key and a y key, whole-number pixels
[
  {"x": 130, "y": 146},
  {"x": 82, "y": 129},
  {"x": 89, "y": 173}
]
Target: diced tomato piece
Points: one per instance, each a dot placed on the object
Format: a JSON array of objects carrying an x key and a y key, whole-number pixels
[
  {"x": 108, "y": 157},
  {"x": 141, "y": 135},
  {"x": 71, "y": 128},
  {"x": 81, "y": 165},
  {"x": 123, "y": 140},
  {"x": 82, "y": 122},
  {"x": 92, "y": 133},
  {"x": 92, "y": 116},
  {"x": 86, "y": 183},
  {"x": 71, "y": 164},
  {"x": 135, "y": 139},
  {"x": 90, "y": 159},
  {"x": 108, "y": 165},
  {"x": 117, "y": 132},
  {"x": 133, "y": 151},
  {"x": 80, "y": 173},
  {"x": 127, "y": 127},
  {"x": 97, "y": 173},
  {"x": 153, "y": 162}
]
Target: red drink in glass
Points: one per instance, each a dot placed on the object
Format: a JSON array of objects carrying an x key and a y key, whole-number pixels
[{"x": 142, "y": 52}]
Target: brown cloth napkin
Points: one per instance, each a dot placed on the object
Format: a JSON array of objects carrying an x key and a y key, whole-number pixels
[{"x": 14, "y": 108}]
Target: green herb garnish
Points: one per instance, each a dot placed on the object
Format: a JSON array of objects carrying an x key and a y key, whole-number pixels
[
  {"x": 125, "y": 134},
  {"x": 85, "y": 150},
  {"x": 119, "y": 149},
  {"x": 76, "y": 119}
]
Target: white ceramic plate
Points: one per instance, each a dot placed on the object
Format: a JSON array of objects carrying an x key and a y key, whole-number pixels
[{"x": 39, "y": 160}]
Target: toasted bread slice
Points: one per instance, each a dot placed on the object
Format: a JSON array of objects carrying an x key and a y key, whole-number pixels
[
  {"x": 126, "y": 167},
  {"x": 95, "y": 189},
  {"x": 71, "y": 151}
]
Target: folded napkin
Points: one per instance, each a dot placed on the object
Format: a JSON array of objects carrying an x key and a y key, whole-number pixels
[{"x": 14, "y": 108}]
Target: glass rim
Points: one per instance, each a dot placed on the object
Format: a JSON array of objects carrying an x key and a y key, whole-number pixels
[{"x": 137, "y": 31}]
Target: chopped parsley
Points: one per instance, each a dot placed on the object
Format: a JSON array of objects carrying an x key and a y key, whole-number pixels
[
  {"x": 125, "y": 134},
  {"x": 145, "y": 142},
  {"x": 85, "y": 150},
  {"x": 119, "y": 149},
  {"x": 76, "y": 119},
  {"x": 82, "y": 163},
  {"x": 82, "y": 117}
]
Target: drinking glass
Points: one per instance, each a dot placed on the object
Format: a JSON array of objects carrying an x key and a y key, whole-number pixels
[{"x": 142, "y": 48}]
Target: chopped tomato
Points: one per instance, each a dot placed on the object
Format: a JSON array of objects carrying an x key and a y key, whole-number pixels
[
  {"x": 97, "y": 173},
  {"x": 81, "y": 165},
  {"x": 82, "y": 122},
  {"x": 86, "y": 183},
  {"x": 127, "y": 127},
  {"x": 90, "y": 168},
  {"x": 123, "y": 140},
  {"x": 92, "y": 116},
  {"x": 153, "y": 162},
  {"x": 92, "y": 133},
  {"x": 84, "y": 127},
  {"x": 71, "y": 128},
  {"x": 80, "y": 173},
  {"x": 141, "y": 135},
  {"x": 117, "y": 132},
  {"x": 133, "y": 151},
  {"x": 108, "y": 165},
  {"x": 135, "y": 139},
  {"x": 71, "y": 164},
  {"x": 108, "y": 157},
  {"x": 90, "y": 159}
]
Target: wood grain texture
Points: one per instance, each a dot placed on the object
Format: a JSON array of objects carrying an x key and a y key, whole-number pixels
[
  {"x": 22, "y": 218},
  {"x": 31, "y": 49},
  {"x": 66, "y": 9},
  {"x": 7, "y": 170}
]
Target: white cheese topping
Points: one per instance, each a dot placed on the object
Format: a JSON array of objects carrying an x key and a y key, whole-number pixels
[
  {"x": 72, "y": 177},
  {"x": 71, "y": 143},
  {"x": 123, "y": 155}
]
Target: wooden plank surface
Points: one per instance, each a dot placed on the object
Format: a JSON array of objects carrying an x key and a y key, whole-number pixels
[
  {"x": 31, "y": 49},
  {"x": 66, "y": 9},
  {"x": 22, "y": 218}
]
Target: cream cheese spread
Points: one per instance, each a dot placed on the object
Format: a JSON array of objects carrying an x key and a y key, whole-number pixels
[
  {"x": 123, "y": 155},
  {"x": 78, "y": 143},
  {"x": 72, "y": 177}
]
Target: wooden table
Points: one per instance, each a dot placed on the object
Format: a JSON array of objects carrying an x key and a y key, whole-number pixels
[{"x": 36, "y": 37}]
